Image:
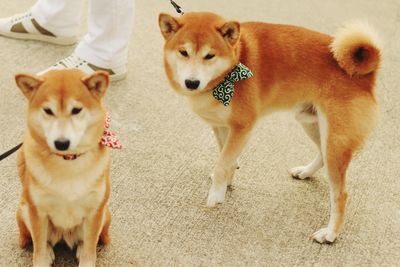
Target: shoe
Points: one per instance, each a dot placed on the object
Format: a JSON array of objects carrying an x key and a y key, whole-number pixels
[
  {"x": 24, "y": 26},
  {"x": 75, "y": 62}
]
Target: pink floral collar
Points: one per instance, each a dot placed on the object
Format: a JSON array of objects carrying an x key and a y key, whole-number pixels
[{"x": 109, "y": 139}]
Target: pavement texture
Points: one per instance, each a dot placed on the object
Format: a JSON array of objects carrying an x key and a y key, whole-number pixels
[{"x": 160, "y": 179}]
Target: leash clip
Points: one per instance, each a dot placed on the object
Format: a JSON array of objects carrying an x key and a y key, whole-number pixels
[{"x": 177, "y": 7}]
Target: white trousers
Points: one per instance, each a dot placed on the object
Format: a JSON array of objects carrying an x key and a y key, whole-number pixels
[{"x": 110, "y": 24}]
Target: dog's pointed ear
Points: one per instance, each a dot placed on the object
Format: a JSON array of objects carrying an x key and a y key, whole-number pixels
[
  {"x": 231, "y": 32},
  {"x": 28, "y": 83},
  {"x": 168, "y": 25},
  {"x": 97, "y": 83}
]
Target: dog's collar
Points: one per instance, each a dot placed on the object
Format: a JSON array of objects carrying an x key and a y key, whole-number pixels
[
  {"x": 109, "y": 139},
  {"x": 223, "y": 92},
  {"x": 70, "y": 156}
]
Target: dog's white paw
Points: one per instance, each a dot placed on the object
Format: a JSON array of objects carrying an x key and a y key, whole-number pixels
[
  {"x": 41, "y": 263},
  {"x": 52, "y": 256},
  {"x": 87, "y": 264},
  {"x": 79, "y": 250},
  {"x": 301, "y": 172},
  {"x": 324, "y": 235},
  {"x": 47, "y": 259},
  {"x": 216, "y": 195},
  {"x": 83, "y": 262},
  {"x": 229, "y": 174}
]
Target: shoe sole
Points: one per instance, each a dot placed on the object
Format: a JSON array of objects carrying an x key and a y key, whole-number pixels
[
  {"x": 117, "y": 77},
  {"x": 113, "y": 77},
  {"x": 42, "y": 38}
]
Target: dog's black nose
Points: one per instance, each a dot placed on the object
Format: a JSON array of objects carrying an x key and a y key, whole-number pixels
[
  {"x": 192, "y": 84},
  {"x": 61, "y": 144}
]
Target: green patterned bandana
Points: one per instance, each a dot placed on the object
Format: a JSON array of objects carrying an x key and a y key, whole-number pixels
[{"x": 223, "y": 92}]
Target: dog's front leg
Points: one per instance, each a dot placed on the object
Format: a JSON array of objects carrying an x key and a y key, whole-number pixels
[
  {"x": 221, "y": 133},
  {"x": 227, "y": 163},
  {"x": 43, "y": 254},
  {"x": 92, "y": 226}
]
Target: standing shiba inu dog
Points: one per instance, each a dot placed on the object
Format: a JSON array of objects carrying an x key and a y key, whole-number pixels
[
  {"x": 329, "y": 82},
  {"x": 64, "y": 170}
]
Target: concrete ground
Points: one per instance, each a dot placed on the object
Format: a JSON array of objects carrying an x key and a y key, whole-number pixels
[{"x": 161, "y": 178}]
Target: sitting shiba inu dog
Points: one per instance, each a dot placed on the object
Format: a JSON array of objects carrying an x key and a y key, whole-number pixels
[
  {"x": 328, "y": 81},
  {"x": 64, "y": 169}
]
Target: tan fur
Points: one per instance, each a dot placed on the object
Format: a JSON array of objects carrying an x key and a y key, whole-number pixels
[
  {"x": 327, "y": 81},
  {"x": 64, "y": 199},
  {"x": 356, "y": 48}
]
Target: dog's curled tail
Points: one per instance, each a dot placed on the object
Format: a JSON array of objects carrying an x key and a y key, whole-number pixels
[{"x": 356, "y": 47}]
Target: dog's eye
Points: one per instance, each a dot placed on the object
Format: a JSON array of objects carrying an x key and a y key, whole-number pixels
[
  {"x": 184, "y": 53},
  {"x": 209, "y": 56},
  {"x": 76, "y": 111},
  {"x": 48, "y": 111}
]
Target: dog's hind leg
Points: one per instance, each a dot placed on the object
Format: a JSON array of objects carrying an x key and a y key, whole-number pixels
[
  {"x": 24, "y": 234},
  {"x": 226, "y": 164},
  {"x": 303, "y": 172},
  {"x": 337, "y": 151},
  {"x": 104, "y": 235},
  {"x": 310, "y": 125}
]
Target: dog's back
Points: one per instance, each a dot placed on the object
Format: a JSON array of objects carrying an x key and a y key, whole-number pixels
[{"x": 292, "y": 63}]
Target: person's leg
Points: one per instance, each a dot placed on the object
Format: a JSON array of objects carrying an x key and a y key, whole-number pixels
[
  {"x": 53, "y": 21},
  {"x": 110, "y": 25},
  {"x": 105, "y": 46},
  {"x": 61, "y": 17}
]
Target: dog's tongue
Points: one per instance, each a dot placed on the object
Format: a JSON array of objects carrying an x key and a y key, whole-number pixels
[{"x": 70, "y": 156}]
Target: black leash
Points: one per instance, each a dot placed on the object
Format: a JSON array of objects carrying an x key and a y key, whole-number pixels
[
  {"x": 10, "y": 152},
  {"x": 177, "y": 7}
]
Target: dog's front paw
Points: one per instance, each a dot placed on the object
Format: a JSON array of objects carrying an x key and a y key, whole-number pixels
[
  {"x": 324, "y": 235},
  {"x": 52, "y": 256},
  {"x": 229, "y": 173},
  {"x": 79, "y": 250},
  {"x": 216, "y": 195},
  {"x": 87, "y": 264},
  {"x": 45, "y": 260},
  {"x": 301, "y": 172},
  {"x": 83, "y": 261}
]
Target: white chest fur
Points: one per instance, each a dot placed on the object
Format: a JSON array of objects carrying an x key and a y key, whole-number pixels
[
  {"x": 213, "y": 112},
  {"x": 68, "y": 192}
]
